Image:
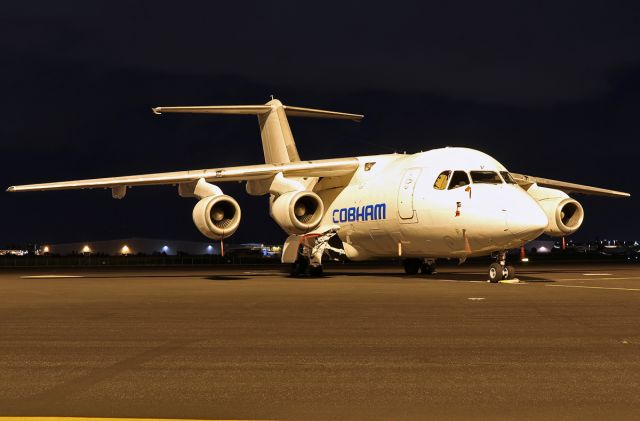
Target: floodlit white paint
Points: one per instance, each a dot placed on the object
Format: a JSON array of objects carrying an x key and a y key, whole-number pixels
[{"x": 380, "y": 206}]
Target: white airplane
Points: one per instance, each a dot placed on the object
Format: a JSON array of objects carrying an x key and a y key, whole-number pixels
[{"x": 443, "y": 203}]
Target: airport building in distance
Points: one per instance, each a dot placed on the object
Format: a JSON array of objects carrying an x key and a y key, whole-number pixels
[{"x": 150, "y": 247}]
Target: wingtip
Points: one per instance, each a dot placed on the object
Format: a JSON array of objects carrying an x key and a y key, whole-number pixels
[
  {"x": 11, "y": 189},
  {"x": 157, "y": 110}
]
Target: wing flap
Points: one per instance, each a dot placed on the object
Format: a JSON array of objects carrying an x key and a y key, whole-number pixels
[
  {"x": 319, "y": 168},
  {"x": 527, "y": 180}
]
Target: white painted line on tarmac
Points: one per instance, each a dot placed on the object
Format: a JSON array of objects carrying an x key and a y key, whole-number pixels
[
  {"x": 454, "y": 280},
  {"x": 50, "y": 277},
  {"x": 601, "y": 279},
  {"x": 597, "y": 274},
  {"x": 510, "y": 281},
  {"x": 590, "y": 287},
  {"x": 475, "y": 298}
]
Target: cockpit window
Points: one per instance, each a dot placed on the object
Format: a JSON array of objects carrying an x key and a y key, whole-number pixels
[
  {"x": 441, "y": 181},
  {"x": 507, "y": 177},
  {"x": 485, "y": 177},
  {"x": 458, "y": 179}
]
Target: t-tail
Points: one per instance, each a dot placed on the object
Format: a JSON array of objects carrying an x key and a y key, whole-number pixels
[{"x": 277, "y": 140}]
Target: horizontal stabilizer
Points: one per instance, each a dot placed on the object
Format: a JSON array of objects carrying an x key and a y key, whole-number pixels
[
  {"x": 216, "y": 109},
  {"x": 258, "y": 110}
]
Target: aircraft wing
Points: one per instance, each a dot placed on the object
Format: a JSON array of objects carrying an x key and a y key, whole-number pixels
[
  {"x": 318, "y": 168},
  {"x": 527, "y": 180}
]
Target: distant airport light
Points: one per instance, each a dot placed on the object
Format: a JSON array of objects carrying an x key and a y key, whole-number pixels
[
  {"x": 165, "y": 248},
  {"x": 86, "y": 249},
  {"x": 45, "y": 249},
  {"x": 524, "y": 259},
  {"x": 125, "y": 250}
]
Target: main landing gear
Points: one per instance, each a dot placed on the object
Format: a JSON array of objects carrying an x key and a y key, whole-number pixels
[
  {"x": 500, "y": 270},
  {"x": 413, "y": 266},
  {"x": 312, "y": 249}
]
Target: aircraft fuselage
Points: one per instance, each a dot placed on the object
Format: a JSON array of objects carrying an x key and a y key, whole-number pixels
[{"x": 391, "y": 207}]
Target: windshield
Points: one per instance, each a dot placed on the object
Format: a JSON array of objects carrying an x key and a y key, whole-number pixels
[
  {"x": 458, "y": 179},
  {"x": 485, "y": 177},
  {"x": 507, "y": 177}
]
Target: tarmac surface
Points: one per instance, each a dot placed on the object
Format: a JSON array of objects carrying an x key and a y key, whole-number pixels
[{"x": 359, "y": 343}]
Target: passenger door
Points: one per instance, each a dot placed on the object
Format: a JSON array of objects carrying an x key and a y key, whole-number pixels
[{"x": 406, "y": 210}]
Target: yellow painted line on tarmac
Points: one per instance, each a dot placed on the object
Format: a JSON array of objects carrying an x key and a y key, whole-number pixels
[
  {"x": 510, "y": 281},
  {"x": 591, "y": 287},
  {"x": 50, "y": 277},
  {"x": 600, "y": 279},
  {"x": 105, "y": 419}
]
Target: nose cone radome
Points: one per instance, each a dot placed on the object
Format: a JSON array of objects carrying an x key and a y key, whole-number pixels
[{"x": 527, "y": 221}]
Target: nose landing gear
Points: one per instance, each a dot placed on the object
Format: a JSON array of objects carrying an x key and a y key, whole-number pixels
[{"x": 500, "y": 270}]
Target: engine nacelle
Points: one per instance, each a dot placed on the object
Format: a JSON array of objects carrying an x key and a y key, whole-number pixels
[
  {"x": 217, "y": 217},
  {"x": 297, "y": 212},
  {"x": 565, "y": 215}
]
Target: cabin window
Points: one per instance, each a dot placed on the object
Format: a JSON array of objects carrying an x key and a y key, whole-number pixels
[
  {"x": 458, "y": 179},
  {"x": 485, "y": 177},
  {"x": 507, "y": 177},
  {"x": 441, "y": 181}
]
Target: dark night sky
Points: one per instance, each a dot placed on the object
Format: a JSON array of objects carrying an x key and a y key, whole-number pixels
[{"x": 548, "y": 89}]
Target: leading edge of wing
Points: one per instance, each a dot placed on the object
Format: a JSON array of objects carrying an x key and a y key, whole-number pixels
[
  {"x": 318, "y": 168},
  {"x": 566, "y": 187}
]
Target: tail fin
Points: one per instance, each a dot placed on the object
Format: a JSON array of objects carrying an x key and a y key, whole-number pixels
[{"x": 277, "y": 140}]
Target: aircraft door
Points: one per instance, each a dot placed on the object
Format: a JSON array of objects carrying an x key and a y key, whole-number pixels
[{"x": 406, "y": 210}]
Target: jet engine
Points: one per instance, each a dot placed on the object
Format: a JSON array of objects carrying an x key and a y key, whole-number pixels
[
  {"x": 297, "y": 212},
  {"x": 217, "y": 217},
  {"x": 565, "y": 215}
]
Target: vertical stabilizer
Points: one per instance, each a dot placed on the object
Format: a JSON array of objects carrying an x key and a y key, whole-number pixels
[{"x": 277, "y": 140}]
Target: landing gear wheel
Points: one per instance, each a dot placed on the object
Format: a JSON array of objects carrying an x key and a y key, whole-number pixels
[
  {"x": 411, "y": 266},
  {"x": 509, "y": 272},
  {"x": 315, "y": 271},
  {"x": 300, "y": 266},
  {"x": 428, "y": 269},
  {"x": 495, "y": 272}
]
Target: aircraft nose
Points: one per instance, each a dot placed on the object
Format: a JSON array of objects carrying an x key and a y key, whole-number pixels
[{"x": 527, "y": 221}]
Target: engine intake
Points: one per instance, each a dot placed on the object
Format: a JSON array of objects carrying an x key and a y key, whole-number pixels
[
  {"x": 565, "y": 216},
  {"x": 297, "y": 212},
  {"x": 217, "y": 217}
]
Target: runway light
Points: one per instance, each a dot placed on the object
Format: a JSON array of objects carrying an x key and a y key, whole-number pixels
[
  {"x": 165, "y": 248},
  {"x": 125, "y": 250},
  {"x": 524, "y": 259},
  {"x": 45, "y": 249},
  {"x": 86, "y": 249},
  {"x": 209, "y": 248}
]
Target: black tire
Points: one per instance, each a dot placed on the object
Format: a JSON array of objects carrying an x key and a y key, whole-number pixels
[
  {"x": 495, "y": 273},
  {"x": 300, "y": 266},
  {"x": 427, "y": 269},
  {"x": 315, "y": 271},
  {"x": 511, "y": 272},
  {"x": 411, "y": 266}
]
